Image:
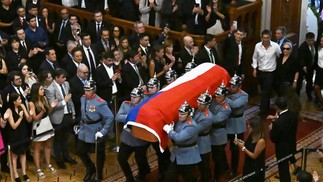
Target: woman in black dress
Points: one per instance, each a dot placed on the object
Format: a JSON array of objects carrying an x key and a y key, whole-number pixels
[
  {"x": 18, "y": 116},
  {"x": 254, "y": 149},
  {"x": 157, "y": 64}
]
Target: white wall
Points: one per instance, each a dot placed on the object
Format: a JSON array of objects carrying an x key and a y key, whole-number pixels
[{"x": 265, "y": 15}]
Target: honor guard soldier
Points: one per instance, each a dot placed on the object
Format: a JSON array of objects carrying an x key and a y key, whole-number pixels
[
  {"x": 185, "y": 155},
  {"x": 203, "y": 118},
  {"x": 129, "y": 143},
  {"x": 170, "y": 76},
  {"x": 218, "y": 135},
  {"x": 189, "y": 66},
  {"x": 96, "y": 123},
  {"x": 163, "y": 158},
  {"x": 236, "y": 124}
]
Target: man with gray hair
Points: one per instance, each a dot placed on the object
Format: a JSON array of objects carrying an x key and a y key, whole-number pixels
[
  {"x": 68, "y": 57},
  {"x": 281, "y": 36}
]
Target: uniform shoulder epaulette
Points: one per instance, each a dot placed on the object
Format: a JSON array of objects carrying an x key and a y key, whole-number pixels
[
  {"x": 100, "y": 99},
  {"x": 206, "y": 114},
  {"x": 127, "y": 101},
  {"x": 190, "y": 122},
  {"x": 226, "y": 106}
]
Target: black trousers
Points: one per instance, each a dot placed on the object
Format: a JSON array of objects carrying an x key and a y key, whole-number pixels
[
  {"x": 84, "y": 149},
  {"x": 266, "y": 81},
  {"x": 219, "y": 159},
  {"x": 309, "y": 81},
  {"x": 283, "y": 168},
  {"x": 62, "y": 132},
  {"x": 140, "y": 157},
  {"x": 234, "y": 151},
  {"x": 204, "y": 167},
  {"x": 163, "y": 158},
  {"x": 187, "y": 171}
]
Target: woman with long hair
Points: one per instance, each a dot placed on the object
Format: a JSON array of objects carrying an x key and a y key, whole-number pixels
[
  {"x": 157, "y": 64},
  {"x": 124, "y": 45},
  {"x": 49, "y": 22},
  {"x": 169, "y": 56},
  {"x": 46, "y": 78},
  {"x": 18, "y": 116},
  {"x": 28, "y": 75},
  {"x": 41, "y": 108},
  {"x": 254, "y": 149},
  {"x": 318, "y": 66},
  {"x": 116, "y": 34}
]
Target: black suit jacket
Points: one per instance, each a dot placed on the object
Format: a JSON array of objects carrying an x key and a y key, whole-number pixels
[
  {"x": 71, "y": 70},
  {"x": 231, "y": 56},
  {"x": 130, "y": 79},
  {"x": 100, "y": 47},
  {"x": 104, "y": 83},
  {"x": 202, "y": 56},
  {"x": 17, "y": 24},
  {"x": 13, "y": 59},
  {"x": 89, "y": 4},
  {"x": 305, "y": 56},
  {"x": 96, "y": 58},
  {"x": 283, "y": 133},
  {"x": 41, "y": 22},
  {"x": 91, "y": 29},
  {"x": 67, "y": 59},
  {"x": 186, "y": 57},
  {"x": 77, "y": 90},
  {"x": 113, "y": 7},
  {"x": 66, "y": 32},
  {"x": 46, "y": 66},
  {"x": 10, "y": 89}
]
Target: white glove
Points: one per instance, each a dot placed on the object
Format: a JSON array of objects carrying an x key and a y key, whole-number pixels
[
  {"x": 167, "y": 128},
  {"x": 98, "y": 135},
  {"x": 76, "y": 129}
]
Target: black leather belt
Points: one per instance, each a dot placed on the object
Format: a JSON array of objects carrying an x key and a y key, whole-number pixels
[
  {"x": 185, "y": 146},
  {"x": 219, "y": 125},
  {"x": 92, "y": 122}
]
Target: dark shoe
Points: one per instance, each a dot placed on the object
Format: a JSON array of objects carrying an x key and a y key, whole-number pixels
[
  {"x": 297, "y": 170},
  {"x": 61, "y": 165},
  {"x": 17, "y": 179},
  {"x": 89, "y": 173},
  {"x": 70, "y": 160},
  {"x": 26, "y": 178}
]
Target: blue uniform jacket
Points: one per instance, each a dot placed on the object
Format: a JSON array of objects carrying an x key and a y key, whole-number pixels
[
  {"x": 204, "y": 123},
  {"x": 96, "y": 109},
  {"x": 126, "y": 136},
  {"x": 221, "y": 112},
  {"x": 185, "y": 134},
  {"x": 237, "y": 122}
]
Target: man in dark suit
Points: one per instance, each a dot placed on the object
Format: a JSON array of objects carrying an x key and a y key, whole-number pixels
[
  {"x": 74, "y": 64},
  {"x": 68, "y": 56},
  {"x": 138, "y": 27},
  {"x": 281, "y": 37},
  {"x": 105, "y": 44},
  {"x": 234, "y": 54},
  {"x": 95, "y": 26},
  {"x": 62, "y": 32},
  {"x": 88, "y": 5},
  {"x": 20, "y": 21},
  {"x": 40, "y": 20},
  {"x": 207, "y": 53},
  {"x": 144, "y": 45},
  {"x": 77, "y": 83},
  {"x": 90, "y": 54},
  {"x": 108, "y": 79},
  {"x": 306, "y": 53},
  {"x": 186, "y": 54},
  {"x": 193, "y": 15},
  {"x": 50, "y": 63},
  {"x": 284, "y": 143},
  {"x": 132, "y": 74}
]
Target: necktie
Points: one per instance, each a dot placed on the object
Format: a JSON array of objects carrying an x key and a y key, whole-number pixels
[
  {"x": 107, "y": 48},
  {"x": 24, "y": 45},
  {"x": 54, "y": 66},
  {"x": 212, "y": 57},
  {"x": 92, "y": 64},
  {"x": 98, "y": 28},
  {"x": 146, "y": 51},
  {"x": 67, "y": 106},
  {"x": 312, "y": 52},
  {"x": 61, "y": 31},
  {"x": 141, "y": 82}
]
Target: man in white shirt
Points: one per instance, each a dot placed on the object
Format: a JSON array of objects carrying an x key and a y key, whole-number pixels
[{"x": 264, "y": 66}]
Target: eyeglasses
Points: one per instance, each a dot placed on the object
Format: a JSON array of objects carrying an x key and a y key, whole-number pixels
[{"x": 284, "y": 48}]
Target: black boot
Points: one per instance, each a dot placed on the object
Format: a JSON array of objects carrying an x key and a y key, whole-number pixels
[{"x": 89, "y": 173}]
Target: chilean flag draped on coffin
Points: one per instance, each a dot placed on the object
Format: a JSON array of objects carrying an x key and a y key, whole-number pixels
[{"x": 149, "y": 117}]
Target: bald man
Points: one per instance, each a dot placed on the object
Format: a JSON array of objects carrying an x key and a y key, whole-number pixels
[{"x": 187, "y": 54}]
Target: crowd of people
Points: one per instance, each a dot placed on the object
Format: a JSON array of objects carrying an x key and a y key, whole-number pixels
[{"x": 48, "y": 68}]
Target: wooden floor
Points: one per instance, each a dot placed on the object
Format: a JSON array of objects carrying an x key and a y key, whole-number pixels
[{"x": 75, "y": 173}]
